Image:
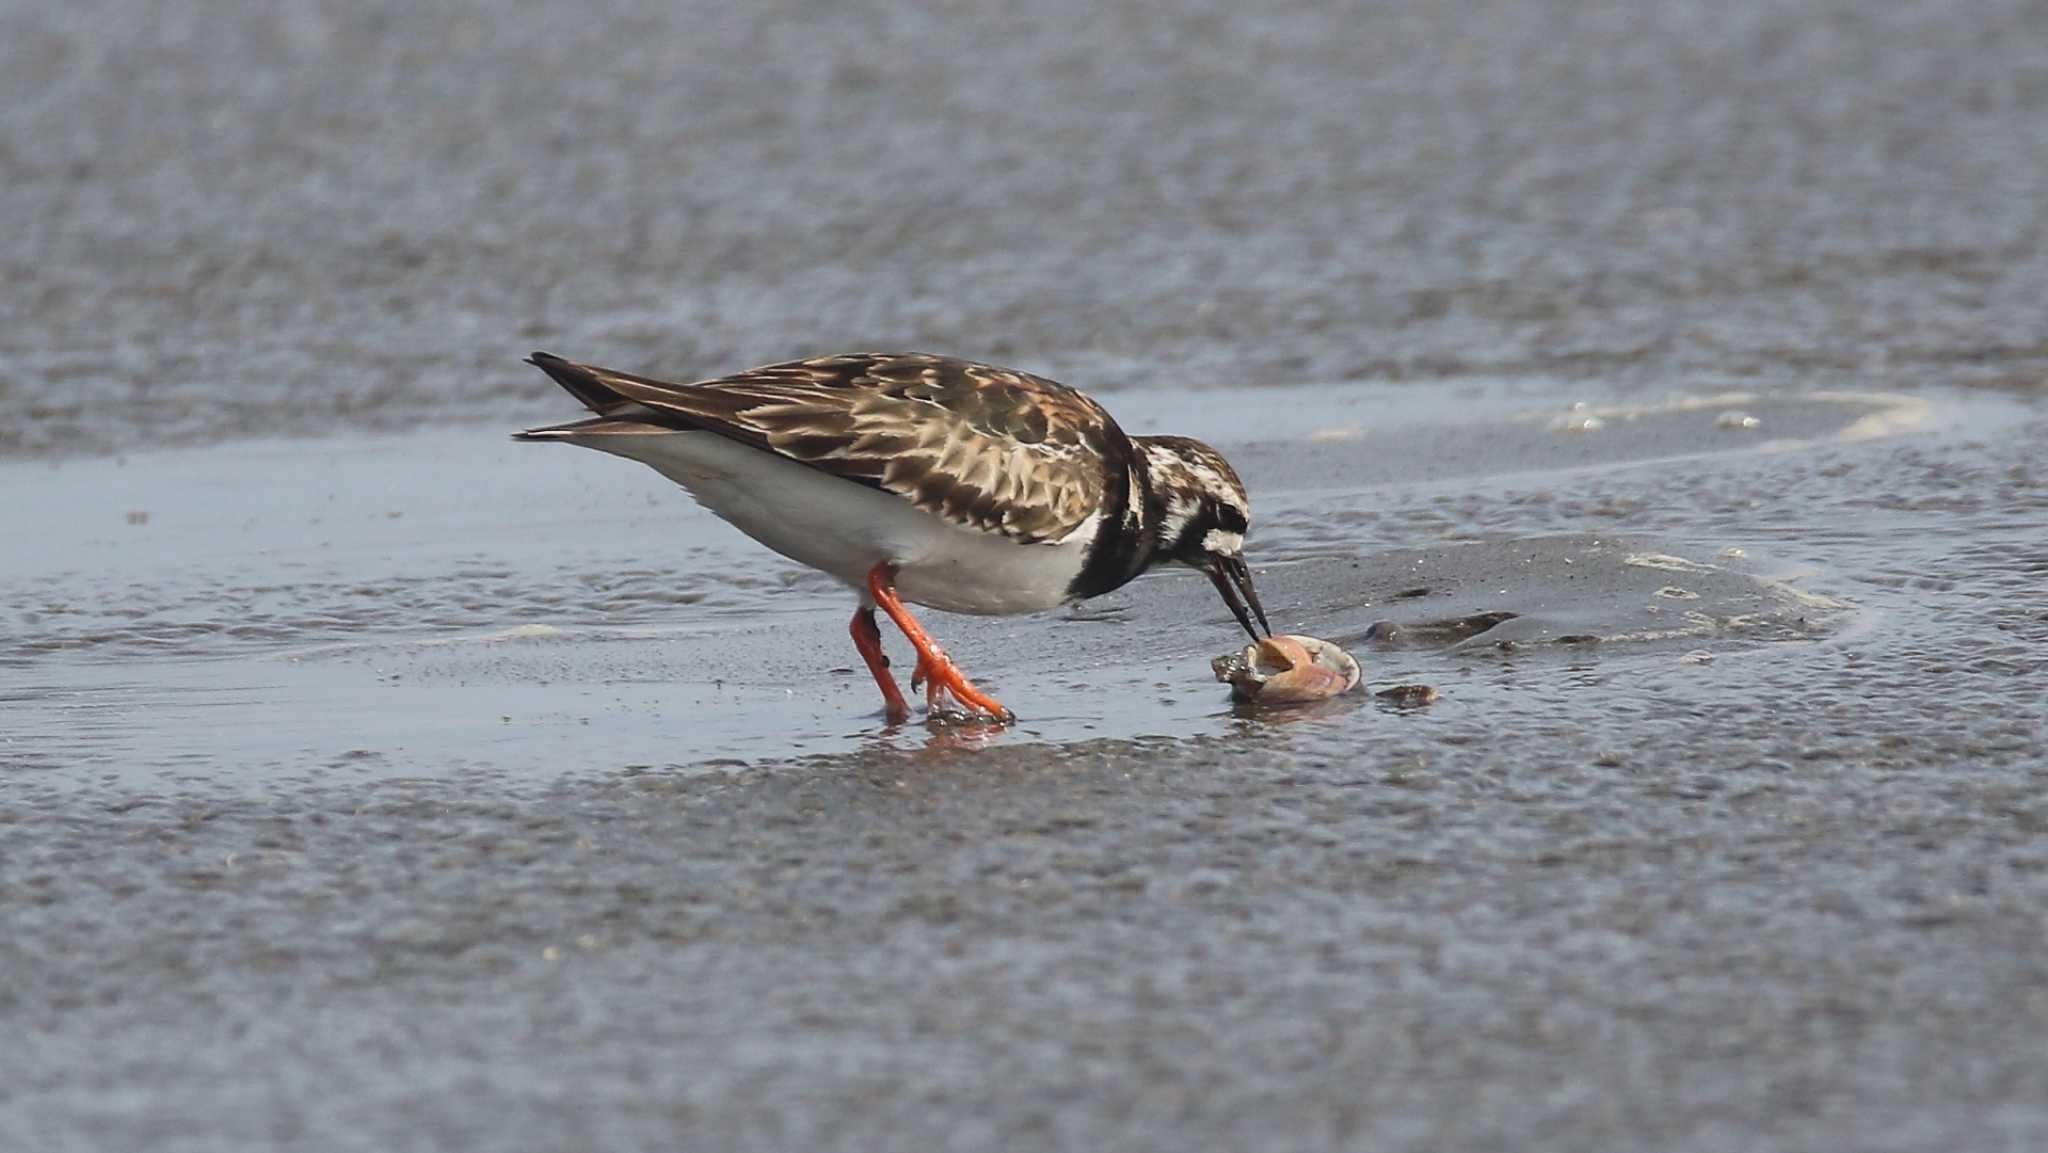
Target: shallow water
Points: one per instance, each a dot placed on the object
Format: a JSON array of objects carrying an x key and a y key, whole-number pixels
[
  {"x": 231, "y": 614},
  {"x": 370, "y": 781}
]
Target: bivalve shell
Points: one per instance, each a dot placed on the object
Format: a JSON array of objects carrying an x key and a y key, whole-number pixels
[{"x": 1287, "y": 669}]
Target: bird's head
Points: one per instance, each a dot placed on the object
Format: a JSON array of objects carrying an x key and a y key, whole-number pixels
[{"x": 1204, "y": 516}]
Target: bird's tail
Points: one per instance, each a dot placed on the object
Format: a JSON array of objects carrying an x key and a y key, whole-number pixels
[
  {"x": 616, "y": 415},
  {"x": 583, "y": 381}
]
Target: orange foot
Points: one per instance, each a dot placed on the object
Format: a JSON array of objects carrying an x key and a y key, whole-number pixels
[
  {"x": 868, "y": 639},
  {"x": 935, "y": 671},
  {"x": 945, "y": 678}
]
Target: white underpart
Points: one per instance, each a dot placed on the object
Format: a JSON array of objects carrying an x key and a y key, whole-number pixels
[{"x": 845, "y": 529}]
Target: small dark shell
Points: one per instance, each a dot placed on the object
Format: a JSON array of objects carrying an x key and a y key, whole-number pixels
[{"x": 1408, "y": 696}]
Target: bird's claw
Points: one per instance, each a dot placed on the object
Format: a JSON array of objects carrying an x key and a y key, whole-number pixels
[{"x": 941, "y": 679}]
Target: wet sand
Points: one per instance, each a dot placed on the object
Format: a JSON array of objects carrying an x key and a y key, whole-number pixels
[
  {"x": 374, "y": 782},
  {"x": 387, "y": 804}
]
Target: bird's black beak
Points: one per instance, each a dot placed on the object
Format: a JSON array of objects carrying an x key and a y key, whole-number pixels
[{"x": 1232, "y": 577}]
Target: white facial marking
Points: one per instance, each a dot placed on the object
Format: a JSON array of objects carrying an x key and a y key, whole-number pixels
[
  {"x": 1227, "y": 543},
  {"x": 1219, "y": 490},
  {"x": 1215, "y": 486},
  {"x": 1178, "y": 514}
]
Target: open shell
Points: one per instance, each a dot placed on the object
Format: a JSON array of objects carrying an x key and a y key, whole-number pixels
[{"x": 1287, "y": 669}]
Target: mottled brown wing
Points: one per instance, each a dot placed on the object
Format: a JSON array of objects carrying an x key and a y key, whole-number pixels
[{"x": 983, "y": 447}]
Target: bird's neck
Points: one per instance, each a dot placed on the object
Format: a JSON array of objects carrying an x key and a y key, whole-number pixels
[{"x": 1127, "y": 541}]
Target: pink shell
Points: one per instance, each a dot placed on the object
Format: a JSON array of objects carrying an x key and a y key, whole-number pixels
[{"x": 1287, "y": 669}]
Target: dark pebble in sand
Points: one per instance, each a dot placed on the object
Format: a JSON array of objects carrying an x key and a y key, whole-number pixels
[
  {"x": 1408, "y": 696},
  {"x": 1477, "y": 623},
  {"x": 1446, "y": 631}
]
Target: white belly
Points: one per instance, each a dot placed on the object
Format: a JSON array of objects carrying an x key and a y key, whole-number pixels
[{"x": 839, "y": 527}]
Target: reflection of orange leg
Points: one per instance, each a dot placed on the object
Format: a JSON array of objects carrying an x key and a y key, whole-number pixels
[
  {"x": 868, "y": 639},
  {"x": 934, "y": 668}
]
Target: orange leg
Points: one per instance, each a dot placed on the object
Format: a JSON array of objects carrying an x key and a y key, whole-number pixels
[
  {"x": 868, "y": 639},
  {"x": 934, "y": 669}
]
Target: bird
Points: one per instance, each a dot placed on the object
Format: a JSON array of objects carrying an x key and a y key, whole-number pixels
[{"x": 922, "y": 479}]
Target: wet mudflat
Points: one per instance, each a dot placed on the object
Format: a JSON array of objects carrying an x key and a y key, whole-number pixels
[
  {"x": 373, "y": 827},
  {"x": 1662, "y": 384}
]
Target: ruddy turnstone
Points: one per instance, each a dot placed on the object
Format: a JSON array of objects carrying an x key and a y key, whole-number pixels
[{"x": 930, "y": 480}]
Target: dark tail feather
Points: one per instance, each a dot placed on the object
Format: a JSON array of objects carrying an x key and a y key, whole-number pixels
[
  {"x": 582, "y": 383},
  {"x": 559, "y": 431},
  {"x": 597, "y": 426}
]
